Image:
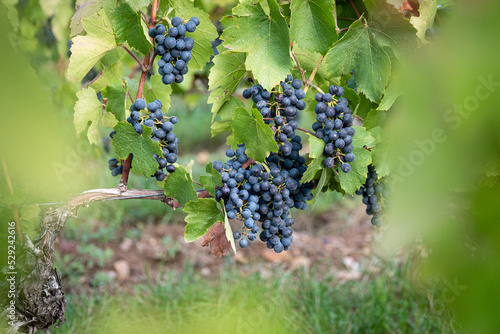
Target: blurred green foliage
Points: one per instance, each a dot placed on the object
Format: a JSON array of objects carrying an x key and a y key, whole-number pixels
[
  {"x": 278, "y": 302},
  {"x": 445, "y": 150}
]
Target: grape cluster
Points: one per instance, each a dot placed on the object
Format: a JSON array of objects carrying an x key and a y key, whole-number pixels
[
  {"x": 373, "y": 195},
  {"x": 114, "y": 168},
  {"x": 252, "y": 193},
  {"x": 174, "y": 48},
  {"x": 334, "y": 125},
  {"x": 162, "y": 126},
  {"x": 286, "y": 101}
]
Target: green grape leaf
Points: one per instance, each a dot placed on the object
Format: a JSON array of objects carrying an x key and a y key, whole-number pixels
[
  {"x": 116, "y": 104},
  {"x": 203, "y": 36},
  {"x": 88, "y": 109},
  {"x": 320, "y": 185},
  {"x": 362, "y": 49},
  {"x": 179, "y": 185},
  {"x": 380, "y": 154},
  {"x": 314, "y": 166},
  {"x": 231, "y": 142},
  {"x": 352, "y": 97},
  {"x": 29, "y": 216},
  {"x": 128, "y": 28},
  {"x": 127, "y": 140},
  {"x": 427, "y": 10},
  {"x": 364, "y": 106},
  {"x": 210, "y": 181},
  {"x": 224, "y": 78},
  {"x": 110, "y": 75},
  {"x": 89, "y": 49},
  {"x": 316, "y": 146},
  {"x": 160, "y": 91},
  {"x": 202, "y": 214},
  {"x": 225, "y": 115},
  {"x": 264, "y": 37},
  {"x": 308, "y": 61},
  {"x": 138, "y": 4},
  {"x": 353, "y": 180},
  {"x": 392, "y": 92},
  {"x": 84, "y": 9},
  {"x": 313, "y": 25},
  {"x": 249, "y": 128},
  {"x": 374, "y": 118}
]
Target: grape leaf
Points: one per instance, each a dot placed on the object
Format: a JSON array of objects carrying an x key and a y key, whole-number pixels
[
  {"x": 263, "y": 37},
  {"x": 210, "y": 181},
  {"x": 390, "y": 96},
  {"x": 224, "y": 78},
  {"x": 138, "y": 4},
  {"x": 308, "y": 61},
  {"x": 203, "y": 36},
  {"x": 217, "y": 241},
  {"x": 160, "y": 91},
  {"x": 353, "y": 180},
  {"x": 127, "y": 140},
  {"x": 112, "y": 74},
  {"x": 128, "y": 28},
  {"x": 314, "y": 166},
  {"x": 88, "y": 50},
  {"x": 312, "y": 24},
  {"x": 202, "y": 214},
  {"x": 319, "y": 186},
  {"x": 352, "y": 97},
  {"x": 316, "y": 146},
  {"x": 374, "y": 118},
  {"x": 179, "y": 185},
  {"x": 362, "y": 49},
  {"x": 226, "y": 114},
  {"x": 427, "y": 10},
  {"x": 116, "y": 95},
  {"x": 87, "y": 109},
  {"x": 83, "y": 10},
  {"x": 249, "y": 128}
]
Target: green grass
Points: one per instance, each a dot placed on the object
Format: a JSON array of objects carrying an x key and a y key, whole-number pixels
[{"x": 284, "y": 302}]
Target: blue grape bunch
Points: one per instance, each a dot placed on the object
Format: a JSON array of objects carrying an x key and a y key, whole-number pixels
[
  {"x": 373, "y": 192},
  {"x": 285, "y": 101},
  {"x": 174, "y": 48},
  {"x": 150, "y": 115},
  {"x": 334, "y": 125},
  {"x": 253, "y": 193}
]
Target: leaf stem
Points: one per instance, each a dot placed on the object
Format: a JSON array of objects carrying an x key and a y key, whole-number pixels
[
  {"x": 144, "y": 17},
  {"x": 301, "y": 70},
  {"x": 313, "y": 74},
  {"x": 306, "y": 131},
  {"x": 355, "y": 9},
  {"x": 133, "y": 56}
]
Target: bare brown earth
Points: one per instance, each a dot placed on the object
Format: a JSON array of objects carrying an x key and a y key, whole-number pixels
[{"x": 335, "y": 242}]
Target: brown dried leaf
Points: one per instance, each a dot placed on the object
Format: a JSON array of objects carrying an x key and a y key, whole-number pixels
[
  {"x": 216, "y": 238},
  {"x": 410, "y": 7}
]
